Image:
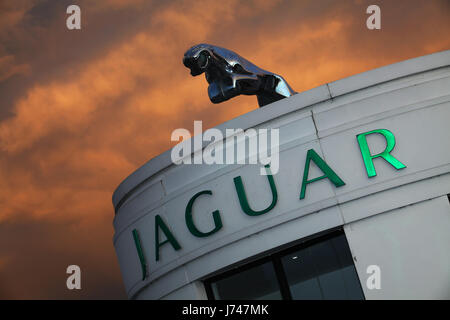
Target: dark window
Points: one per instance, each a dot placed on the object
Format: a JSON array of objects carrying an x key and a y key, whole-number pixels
[
  {"x": 259, "y": 282},
  {"x": 323, "y": 270},
  {"x": 319, "y": 269}
]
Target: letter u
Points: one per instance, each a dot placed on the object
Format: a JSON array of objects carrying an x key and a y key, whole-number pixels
[{"x": 243, "y": 196}]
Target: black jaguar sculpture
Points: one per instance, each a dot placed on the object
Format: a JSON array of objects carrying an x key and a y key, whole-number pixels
[{"x": 230, "y": 75}]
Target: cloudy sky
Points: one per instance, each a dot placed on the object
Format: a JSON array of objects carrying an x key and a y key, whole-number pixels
[{"x": 80, "y": 110}]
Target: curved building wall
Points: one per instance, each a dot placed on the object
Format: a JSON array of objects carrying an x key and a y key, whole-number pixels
[{"x": 398, "y": 219}]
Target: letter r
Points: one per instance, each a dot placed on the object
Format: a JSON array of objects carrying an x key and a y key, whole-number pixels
[{"x": 368, "y": 158}]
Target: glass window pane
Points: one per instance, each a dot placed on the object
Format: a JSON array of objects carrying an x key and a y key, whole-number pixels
[
  {"x": 259, "y": 282},
  {"x": 323, "y": 270}
]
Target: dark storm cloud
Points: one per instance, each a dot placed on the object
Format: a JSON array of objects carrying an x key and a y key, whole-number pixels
[
  {"x": 33, "y": 271},
  {"x": 40, "y": 40}
]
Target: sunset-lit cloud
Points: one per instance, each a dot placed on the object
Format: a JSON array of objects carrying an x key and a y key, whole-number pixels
[
  {"x": 8, "y": 68},
  {"x": 80, "y": 110}
]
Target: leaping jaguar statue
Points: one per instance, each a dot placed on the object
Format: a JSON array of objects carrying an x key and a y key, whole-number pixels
[{"x": 230, "y": 75}]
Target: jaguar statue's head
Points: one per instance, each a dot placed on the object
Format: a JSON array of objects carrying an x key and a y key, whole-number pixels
[{"x": 230, "y": 75}]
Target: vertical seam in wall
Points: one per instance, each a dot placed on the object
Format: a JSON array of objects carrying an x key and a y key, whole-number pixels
[
  {"x": 314, "y": 122},
  {"x": 329, "y": 91},
  {"x": 323, "y": 154},
  {"x": 163, "y": 186}
]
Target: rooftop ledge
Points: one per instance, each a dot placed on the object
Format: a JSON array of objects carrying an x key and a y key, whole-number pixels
[{"x": 297, "y": 102}]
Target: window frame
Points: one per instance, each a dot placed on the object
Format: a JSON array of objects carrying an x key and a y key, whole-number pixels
[{"x": 275, "y": 259}]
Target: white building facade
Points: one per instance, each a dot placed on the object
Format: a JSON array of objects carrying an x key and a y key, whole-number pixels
[{"x": 358, "y": 209}]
